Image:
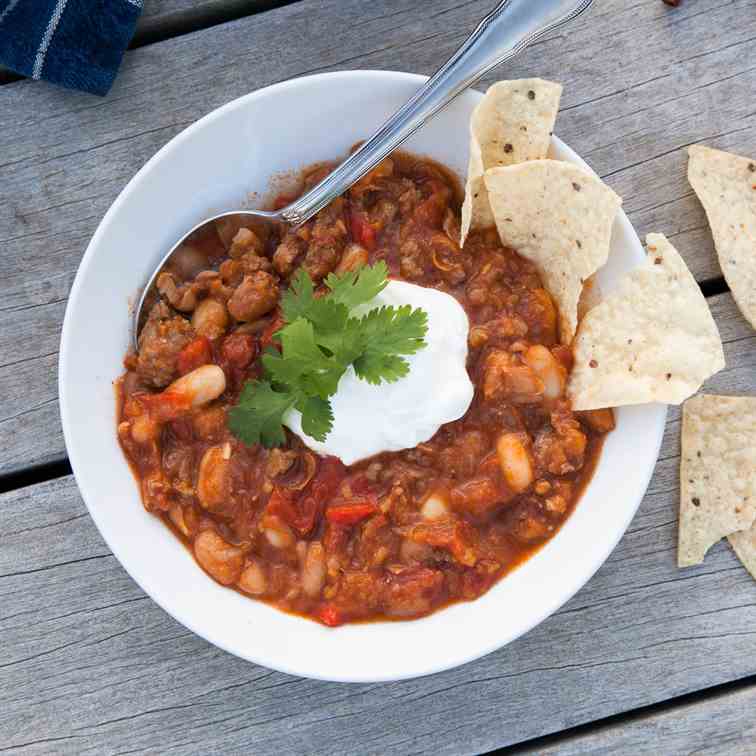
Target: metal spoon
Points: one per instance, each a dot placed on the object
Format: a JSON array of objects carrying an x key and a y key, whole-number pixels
[{"x": 501, "y": 35}]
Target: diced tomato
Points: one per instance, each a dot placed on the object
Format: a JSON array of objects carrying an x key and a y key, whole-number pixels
[
  {"x": 165, "y": 406},
  {"x": 281, "y": 503},
  {"x": 329, "y": 615},
  {"x": 266, "y": 338},
  {"x": 301, "y": 510},
  {"x": 195, "y": 354},
  {"x": 239, "y": 349},
  {"x": 362, "y": 232},
  {"x": 430, "y": 212},
  {"x": 359, "y": 484},
  {"x": 322, "y": 487},
  {"x": 353, "y": 510}
]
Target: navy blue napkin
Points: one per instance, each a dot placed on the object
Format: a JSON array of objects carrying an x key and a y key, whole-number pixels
[{"x": 74, "y": 43}]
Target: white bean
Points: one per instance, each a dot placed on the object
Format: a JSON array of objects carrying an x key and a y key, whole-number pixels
[
  {"x": 543, "y": 363},
  {"x": 253, "y": 579},
  {"x": 213, "y": 478},
  {"x": 514, "y": 460},
  {"x": 354, "y": 257},
  {"x": 434, "y": 507},
  {"x": 278, "y": 533},
  {"x": 200, "y": 386},
  {"x": 314, "y": 570},
  {"x": 210, "y": 318},
  {"x": 144, "y": 429},
  {"x": 218, "y": 557}
]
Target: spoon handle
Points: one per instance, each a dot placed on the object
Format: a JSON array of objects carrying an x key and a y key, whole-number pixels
[{"x": 501, "y": 35}]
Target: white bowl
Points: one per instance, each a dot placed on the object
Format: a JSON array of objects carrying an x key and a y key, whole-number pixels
[{"x": 214, "y": 165}]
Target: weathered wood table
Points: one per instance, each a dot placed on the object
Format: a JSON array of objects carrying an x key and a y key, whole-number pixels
[{"x": 645, "y": 659}]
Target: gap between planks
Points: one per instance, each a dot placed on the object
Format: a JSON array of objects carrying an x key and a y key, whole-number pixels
[
  {"x": 165, "y": 19},
  {"x": 578, "y": 739}
]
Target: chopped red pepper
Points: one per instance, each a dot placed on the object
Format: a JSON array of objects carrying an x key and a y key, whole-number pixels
[
  {"x": 330, "y": 615},
  {"x": 195, "y": 354},
  {"x": 362, "y": 232},
  {"x": 353, "y": 510}
]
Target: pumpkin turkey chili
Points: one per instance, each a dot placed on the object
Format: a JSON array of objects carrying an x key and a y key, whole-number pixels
[{"x": 396, "y": 535}]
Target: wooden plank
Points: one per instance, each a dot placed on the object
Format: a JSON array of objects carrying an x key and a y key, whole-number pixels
[
  {"x": 163, "y": 19},
  {"x": 90, "y": 663},
  {"x": 641, "y": 82},
  {"x": 720, "y": 725}
]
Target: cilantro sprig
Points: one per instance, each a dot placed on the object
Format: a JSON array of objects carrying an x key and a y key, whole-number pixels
[{"x": 322, "y": 337}]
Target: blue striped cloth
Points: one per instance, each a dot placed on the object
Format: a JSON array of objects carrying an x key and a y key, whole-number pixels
[{"x": 74, "y": 43}]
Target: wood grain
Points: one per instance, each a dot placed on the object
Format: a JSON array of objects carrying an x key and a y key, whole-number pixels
[
  {"x": 719, "y": 726},
  {"x": 91, "y": 664},
  {"x": 164, "y": 19},
  {"x": 642, "y": 81}
]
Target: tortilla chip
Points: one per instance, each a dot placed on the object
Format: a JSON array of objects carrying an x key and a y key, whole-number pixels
[
  {"x": 718, "y": 477},
  {"x": 744, "y": 545},
  {"x": 511, "y": 124},
  {"x": 651, "y": 340},
  {"x": 560, "y": 217},
  {"x": 726, "y": 186}
]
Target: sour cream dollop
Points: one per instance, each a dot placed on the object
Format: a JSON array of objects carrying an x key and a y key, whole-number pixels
[{"x": 372, "y": 419}]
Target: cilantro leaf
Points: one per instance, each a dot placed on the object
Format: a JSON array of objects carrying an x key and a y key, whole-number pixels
[
  {"x": 257, "y": 417},
  {"x": 394, "y": 330},
  {"x": 302, "y": 365},
  {"x": 298, "y": 298},
  {"x": 387, "y": 332},
  {"x": 317, "y": 417},
  {"x": 299, "y": 301},
  {"x": 376, "y": 368},
  {"x": 358, "y": 287}
]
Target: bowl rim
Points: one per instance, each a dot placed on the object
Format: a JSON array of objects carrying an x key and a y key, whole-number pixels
[{"x": 78, "y": 465}]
